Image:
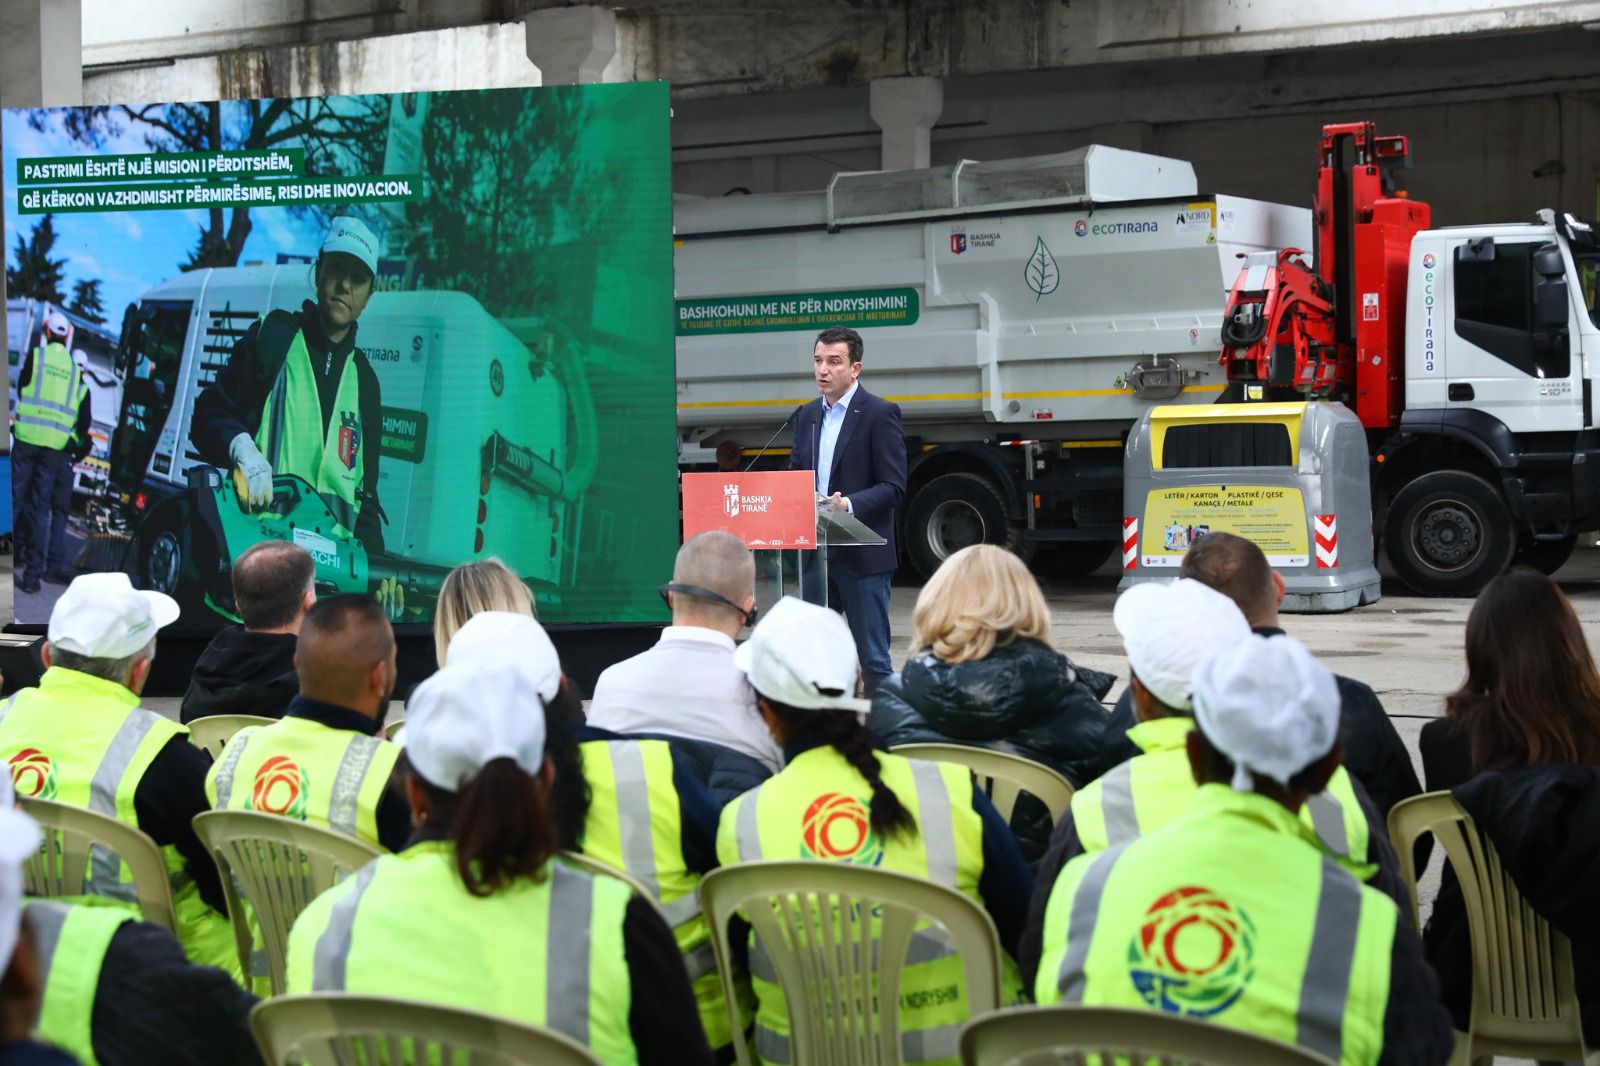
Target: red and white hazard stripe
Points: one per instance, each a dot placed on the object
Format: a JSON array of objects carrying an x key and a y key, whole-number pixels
[
  {"x": 1327, "y": 530},
  {"x": 1130, "y": 543}
]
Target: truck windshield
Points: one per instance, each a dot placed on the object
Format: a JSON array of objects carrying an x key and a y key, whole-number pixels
[
  {"x": 1589, "y": 280},
  {"x": 147, "y": 390}
]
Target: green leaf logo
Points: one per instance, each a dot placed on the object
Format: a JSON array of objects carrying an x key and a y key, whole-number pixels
[{"x": 1041, "y": 271}]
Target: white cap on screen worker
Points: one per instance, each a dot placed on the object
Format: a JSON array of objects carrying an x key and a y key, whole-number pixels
[
  {"x": 351, "y": 236},
  {"x": 466, "y": 716},
  {"x": 1169, "y": 628},
  {"x": 103, "y": 616},
  {"x": 803, "y": 656}
]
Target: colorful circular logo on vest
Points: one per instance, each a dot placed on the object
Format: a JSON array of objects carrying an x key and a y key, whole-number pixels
[
  {"x": 1194, "y": 953},
  {"x": 33, "y": 774},
  {"x": 838, "y": 828},
  {"x": 280, "y": 788}
]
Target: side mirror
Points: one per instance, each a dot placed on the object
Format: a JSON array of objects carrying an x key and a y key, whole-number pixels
[
  {"x": 130, "y": 331},
  {"x": 1550, "y": 308},
  {"x": 1547, "y": 262}
]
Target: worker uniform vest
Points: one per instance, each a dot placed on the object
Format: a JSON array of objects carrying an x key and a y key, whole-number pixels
[
  {"x": 293, "y": 438},
  {"x": 818, "y": 807},
  {"x": 47, "y": 410},
  {"x": 544, "y": 952},
  {"x": 1153, "y": 790},
  {"x": 72, "y": 943},
  {"x": 301, "y": 769},
  {"x": 635, "y": 824},
  {"x": 84, "y": 741},
  {"x": 1182, "y": 921}
]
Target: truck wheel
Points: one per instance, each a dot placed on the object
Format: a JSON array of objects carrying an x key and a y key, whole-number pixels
[
  {"x": 161, "y": 558},
  {"x": 1448, "y": 534},
  {"x": 1072, "y": 559},
  {"x": 1546, "y": 556},
  {"x": 952, "y": 512}
]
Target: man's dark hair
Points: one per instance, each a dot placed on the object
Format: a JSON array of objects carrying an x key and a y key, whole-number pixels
[
  {"x": 336, "y": 613},
  {"x": 1235, "y": 567},
  {"x": 340, "y": 640},
  {"x": 269, "y": 581},
  {"x": 841, "y": 335}
]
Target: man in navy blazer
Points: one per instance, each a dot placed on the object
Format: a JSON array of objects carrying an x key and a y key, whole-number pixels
[{"x": 862, "y": 469}]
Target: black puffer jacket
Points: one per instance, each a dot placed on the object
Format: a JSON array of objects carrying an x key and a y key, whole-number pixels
[{"x": 1025, "y": 699}]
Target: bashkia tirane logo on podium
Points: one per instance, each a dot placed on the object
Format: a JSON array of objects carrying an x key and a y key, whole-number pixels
[{"x": 764, "y": 509}]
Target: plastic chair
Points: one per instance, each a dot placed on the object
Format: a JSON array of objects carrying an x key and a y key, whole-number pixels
[
  {"x": 74, "y": 837},
  {"x": 1524, "y": 998},
  {"x": 212, "y": 732},
  {"x": 334, "y": 1029},
  {"x": 1001, "y": 775},
  {"x": 393, "y": 730},
  {"x": 837, "y": 938},
  {"x": 280, "y": 865},
  {"x": 1076, "y": 1036},
  {"x": 589, "y": 864}
]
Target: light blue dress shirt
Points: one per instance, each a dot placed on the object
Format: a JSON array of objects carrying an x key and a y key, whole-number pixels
[{"x": 828, "y": 436}]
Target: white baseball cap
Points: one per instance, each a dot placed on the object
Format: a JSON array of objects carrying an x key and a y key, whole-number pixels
[
  {"x": 19, "y": 838},
  {"x": 351, "y": 236},
  {"x": 1169, "y": 628},
  {"x": 1269, "y": 706},
  {"x": 508, "y": 637},
  {"x": 56, "y": 325},
  {"x": 802, "y": 655},
  {"x": 466, "y": 716},
  {"x": 103, "y": 616}
]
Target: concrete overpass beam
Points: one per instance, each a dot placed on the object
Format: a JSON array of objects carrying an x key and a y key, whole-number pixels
[
  {"x": 572, "y": 45},
  {"x": 41, "y": 53},
  {"x": 906, "y": 109}
]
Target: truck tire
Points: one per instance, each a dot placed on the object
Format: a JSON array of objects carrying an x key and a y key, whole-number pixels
[
  {"x": 1448, "y": 534},
  {"x": 952, "y": 512},
  {"x": 163, "y": 551},
  {"x": 1546, "y": 556}
]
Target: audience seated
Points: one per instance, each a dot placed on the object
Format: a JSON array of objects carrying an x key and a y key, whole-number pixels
[
  {"x": 1234, "y": 913},
  {"x": 838, "y": 800},
  {"x": 488, "y": 585},
  {"x": 1519, "y": 748},
  {"x": 532, "y": 938},
  {"x": 249, "y": 669},
  {"x": 686, "y": 687},
  {"x": 984, "y": 674}
]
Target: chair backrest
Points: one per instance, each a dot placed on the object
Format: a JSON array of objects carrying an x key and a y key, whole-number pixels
[
  {"x": 333, "y": 1029},
  {"x": 837, "y": 937},
  {"x": 1001, "y": 775},
  {"x": 1076, "y": 1036},
  {"x": 1524, "y": 998},
  {"x": 212, "y": 732},
  {"x": 605, "y": 869},
  {"x": 280, "y": 865},
  {"x": 393, "y": 730},
  {"x": 75, "y": 838}
]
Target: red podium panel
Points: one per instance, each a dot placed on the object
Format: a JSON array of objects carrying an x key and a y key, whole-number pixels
[{"x": 765, "y": 509}]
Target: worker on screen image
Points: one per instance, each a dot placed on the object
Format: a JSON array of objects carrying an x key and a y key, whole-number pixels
[{"x": 297, "y": 396}]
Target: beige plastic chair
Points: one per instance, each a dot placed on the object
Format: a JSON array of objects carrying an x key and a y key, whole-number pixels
[
  {"x": 836, "y": 934},
  {"x": 334, "y": 1029},
  {"x": 74, "y": 836},
  {"x": 1078, "y": 1036},
  {"x": 1524, "y": 999},
  {"x": 394, "y": 729},
  {"x": 589, "y": 864},
  {"x": 212, "y": 732},
  {"x": 1002, "y": 775},
  {"x": 280, "y": 865}
]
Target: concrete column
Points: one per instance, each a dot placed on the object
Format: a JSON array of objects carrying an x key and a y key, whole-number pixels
[
  {"x": 41, "y": 53},
  {"x": 571, "y": 45},
  {"x": 906, "y": 109}
]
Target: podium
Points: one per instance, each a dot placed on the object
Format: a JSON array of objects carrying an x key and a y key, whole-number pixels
[{"x": 774, "y": 512}]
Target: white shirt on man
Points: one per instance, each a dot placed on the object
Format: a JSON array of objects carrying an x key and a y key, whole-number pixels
[
  {"x": 828, "y": 435},
  {"x": 686, "y": 686}
]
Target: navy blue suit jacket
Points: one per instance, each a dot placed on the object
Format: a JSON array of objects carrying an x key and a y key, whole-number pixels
[{"x": 869, "y": 467}]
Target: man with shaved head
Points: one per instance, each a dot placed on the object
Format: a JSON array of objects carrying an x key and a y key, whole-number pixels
[{"x": 686, "y": 688}]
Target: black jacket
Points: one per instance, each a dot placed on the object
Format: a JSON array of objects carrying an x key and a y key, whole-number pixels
[
  {"x": 1544, "y": 822},
  {"x": 869, "y": 467},
  {"x": 241, "y": 672},
  {"x": 1025, "y": 698}
]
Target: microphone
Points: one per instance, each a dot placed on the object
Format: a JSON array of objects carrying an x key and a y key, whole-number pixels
[{"x": 763, "y": 450}]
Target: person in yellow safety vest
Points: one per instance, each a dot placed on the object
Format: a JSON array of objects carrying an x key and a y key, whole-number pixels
[
  {"x": 49, "y": 434},
  {"x": 478, "y": 912},
  {"x": 647, "y": 813},
  {"x": 22, "y": 982},
  {"x": 838, "y": 800},
  {"x": 1234, "y": 913},
  {"x": 1168, "y": 629},
  {"x": 82, "y": 739},
  {"x": 297, "y": 396}
]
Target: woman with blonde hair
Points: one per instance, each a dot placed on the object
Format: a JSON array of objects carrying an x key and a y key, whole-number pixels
[
  {"x": 487, "y": 585},
  {"x": 982, "y": 673}
]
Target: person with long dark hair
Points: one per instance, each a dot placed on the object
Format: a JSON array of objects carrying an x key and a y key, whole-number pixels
[
  {"x": 478, "y": 912},
  {"x": 838, "y": 799}
]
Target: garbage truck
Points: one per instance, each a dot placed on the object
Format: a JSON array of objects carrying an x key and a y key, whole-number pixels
[
  {"x": 1024, "y": 314},
  {"x": 488, "y": 445}
]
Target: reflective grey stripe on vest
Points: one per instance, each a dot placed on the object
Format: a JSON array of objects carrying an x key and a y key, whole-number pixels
[
  {"x": 746, "y": 831},
  {"x": 566, "y": 980},
  {"x": 1327, "y": 818},
  {"x": 681, "y": 910},
  {"x": 358, "y": 756},
  {"x": 927, "y": 945},
  {"x": 1319, "y": 1023},
  {"x": 772, "y": 1047},
  {"x": 5, "y": 708},
  {"x": 48, "y": 919},
  {"x": 918, "y": 1045},
  {"x": 700, "y": 961},
  {"x": 332, "y": 955},
  {"x": 1116, "y": 806},
  {"x": 232, "y": 752},
  {"x": 1080, "y": 924},
  {"x": 105, "y": 878},
  {"x": 936, "y": 822},
  {"x": 633, "y": 813}
]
